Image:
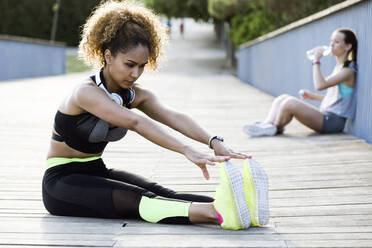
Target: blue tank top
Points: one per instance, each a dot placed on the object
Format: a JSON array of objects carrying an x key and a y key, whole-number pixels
[{"x": 345, "y": 90}]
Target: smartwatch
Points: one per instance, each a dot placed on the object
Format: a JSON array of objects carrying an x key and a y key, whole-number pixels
[{"x": 212, "y": 138}]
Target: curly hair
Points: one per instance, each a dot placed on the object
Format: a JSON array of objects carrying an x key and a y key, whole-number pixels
[{"x": 119, "y": 27}]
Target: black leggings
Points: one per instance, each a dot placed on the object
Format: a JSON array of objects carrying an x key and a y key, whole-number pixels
[{"x": 89, "y": 189}]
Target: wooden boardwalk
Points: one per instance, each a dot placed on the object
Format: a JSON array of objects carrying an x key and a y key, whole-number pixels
[{"x": 320, "y": 186}]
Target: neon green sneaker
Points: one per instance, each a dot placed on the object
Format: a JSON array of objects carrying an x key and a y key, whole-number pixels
[
  {"x": 256, "y": 189},
  {"x": 230, "y": 204}
]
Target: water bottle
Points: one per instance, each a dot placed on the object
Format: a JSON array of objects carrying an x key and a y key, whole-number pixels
[
  {"x": 310, "y": 53},
  {"x": 301, "y": 93}
]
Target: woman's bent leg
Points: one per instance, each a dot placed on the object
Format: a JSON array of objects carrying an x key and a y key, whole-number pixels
[
  {"x": 267, "y": 127},
  {"x": 275, "y": 108},
  {"x": 303, "y": 112}
]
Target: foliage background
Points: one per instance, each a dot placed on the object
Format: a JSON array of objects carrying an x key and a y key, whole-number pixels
[
  {"x": 248, "y": 19},
  {"x": 33, "y": 18},
  {"x": 196, "y": 9}
]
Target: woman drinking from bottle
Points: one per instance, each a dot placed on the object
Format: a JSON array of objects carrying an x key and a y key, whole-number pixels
[{"x": 337, "y": 104}]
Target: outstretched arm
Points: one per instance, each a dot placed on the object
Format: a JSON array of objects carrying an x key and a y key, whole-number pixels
[
  {"x": 182, "y": 123},
  {"x": 95, "y": 101}
]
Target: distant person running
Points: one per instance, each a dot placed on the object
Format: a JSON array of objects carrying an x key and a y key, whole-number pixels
[
  {"x": 122, "y": 39},
  {"x": 337, "y": 105},
  {"x": 182, "y": 28},
  {"x": 169, "y": 26}
]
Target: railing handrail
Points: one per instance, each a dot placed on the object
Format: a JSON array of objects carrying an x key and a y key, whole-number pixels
[{"x": 31, "y": 40}]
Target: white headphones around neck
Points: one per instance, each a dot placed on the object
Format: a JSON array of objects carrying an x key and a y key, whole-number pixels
[{"x": 114, "y": 96}]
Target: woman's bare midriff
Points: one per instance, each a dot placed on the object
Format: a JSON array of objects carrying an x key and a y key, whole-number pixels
[{"x": 60, "y": 149}]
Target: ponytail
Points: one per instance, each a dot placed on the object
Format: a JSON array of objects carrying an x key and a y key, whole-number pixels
[{"x": 350, "y": 38}]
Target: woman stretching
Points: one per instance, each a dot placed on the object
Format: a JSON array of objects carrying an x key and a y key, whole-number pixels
[
  {"x": 336, "y": 106},
  {"x": 122, "y": 39}
]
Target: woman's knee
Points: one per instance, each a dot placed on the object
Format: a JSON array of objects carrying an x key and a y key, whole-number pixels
[
  {"x": 284, "y": 96},
  {"x": 290, "y": 104},
  {"x": 281, "y": 98}
]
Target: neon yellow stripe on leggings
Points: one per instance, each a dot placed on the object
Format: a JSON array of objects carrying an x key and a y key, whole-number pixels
[
  {"x": 154, "y": 210},
  {"x": 51, "y": 162}
]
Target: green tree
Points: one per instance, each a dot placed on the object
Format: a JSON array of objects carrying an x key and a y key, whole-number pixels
[
  {"x": 26, "y": 18},
  {"x": 251, "y": 25},
  {"x": 72, "y": 15},
  {"x": 264, "y": 16},
  {"x": 224, "y": 10},
  {"x": 33, "y": 18},
  {"x": 196, "y": 9}
]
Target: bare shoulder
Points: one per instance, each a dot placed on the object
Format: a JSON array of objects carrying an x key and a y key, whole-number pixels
[
  {"x": 141, "y": 90},
  {"x": 142, "y": 95},
  {"x": 83, "y": 92},
  {"x": 86, "y": 84},
  {"x": 348, "y": 71},
  {"x": 347, "y": 74},
  {"x": 86, "y": 89},
  {"x": 342, "y": 75}
]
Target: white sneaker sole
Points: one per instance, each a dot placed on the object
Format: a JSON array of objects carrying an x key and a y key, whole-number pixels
[
  {"x": 261, "y": 183},
  {"x": 237, "y": 185},
  {"x": 256, "y": 131}
]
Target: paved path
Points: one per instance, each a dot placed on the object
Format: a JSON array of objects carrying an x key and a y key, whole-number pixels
[{"x": 320, "y": 186}]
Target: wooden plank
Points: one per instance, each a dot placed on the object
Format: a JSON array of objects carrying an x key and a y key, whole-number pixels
[
  {"x": 322, "y": 210},
  {"x": 321, "y": 201},
  {"x": 57, "y": 236},
  {"x": 300, "y": 193},
  {"x": 324, "y": 221},
  {"x": 55, "y": 242},
  {"x": 197, "y": 241},
  {"x": 316, "y": 230},
  {"x": 310, "y": 237},
  {"x": 100, "y": 227},
  {"x": 331, "y": 243},
  {"x": 47, "y": 246}
]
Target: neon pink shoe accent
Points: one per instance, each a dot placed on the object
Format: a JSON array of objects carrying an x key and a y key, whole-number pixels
[{"x": 219, "y": 217}]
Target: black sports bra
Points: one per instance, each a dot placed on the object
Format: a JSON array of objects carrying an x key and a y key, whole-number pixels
[
  {"x": 86, "y": 132},
  {"x": 67, "y": 128}
]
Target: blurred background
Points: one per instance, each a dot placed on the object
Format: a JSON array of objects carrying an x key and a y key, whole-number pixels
[
  {"x": 58, "y": 22},
  {"x": 261, "y": 42}
]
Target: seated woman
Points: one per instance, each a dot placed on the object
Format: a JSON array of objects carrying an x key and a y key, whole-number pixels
[
  {"x": 336, "y": 106},
  {"x": 123, "y": 38}
]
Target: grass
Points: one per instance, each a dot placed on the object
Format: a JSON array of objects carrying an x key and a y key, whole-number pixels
[{"x": 73, "y": 64}]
